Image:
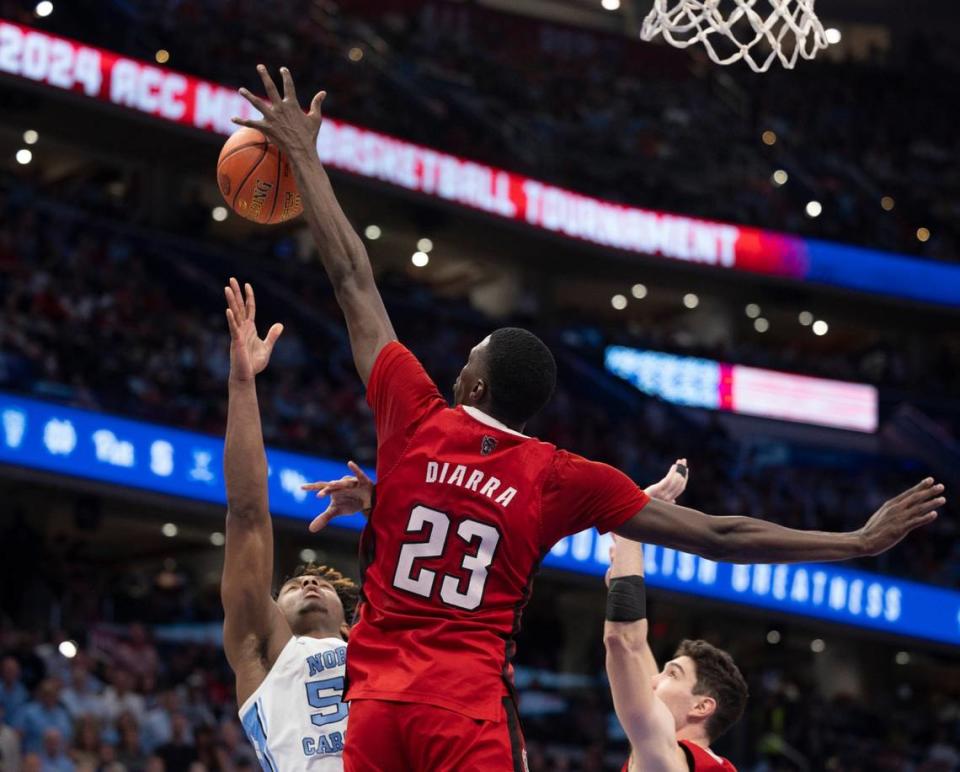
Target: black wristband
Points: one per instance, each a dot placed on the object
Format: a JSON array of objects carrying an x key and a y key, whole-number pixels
[{"x": 626, "y": 599}]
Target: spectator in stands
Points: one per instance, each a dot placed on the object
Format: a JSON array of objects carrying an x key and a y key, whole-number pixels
[
  {"x": 86, "y": 742},
  {"x": 82, "y": 697},
  {"x": 13, "y": 694},
  {"x": 9, "y": 745},
  {"x": 119, "y": 697},
  {"x": 52, "y": 755},
  {"x": 42, "y": 713},
  {"x": 157, "y": 726},
  {"x": 129, "y": 750},
  {"x": 179, "y": 752},
  {"x": 137, "y": 654}
]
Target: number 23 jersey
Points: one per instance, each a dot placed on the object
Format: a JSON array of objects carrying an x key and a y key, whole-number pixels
[{"x": 466, "y": 510}]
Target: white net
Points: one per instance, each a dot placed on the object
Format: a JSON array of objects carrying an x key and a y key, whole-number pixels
[{"x": 757, "y": 31}]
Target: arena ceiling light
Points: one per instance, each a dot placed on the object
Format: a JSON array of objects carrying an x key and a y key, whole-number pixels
[
  {"x": 923, "y": 234},
  {"x": 817, "y": 646},
  {"x": 31, "y": 137},
  {"x": 162, "y": 56},
  {"x": 308, "y": 555},
  {"x": 833, "y": 36},
  {"x": 24, "y": 156},
  {"x": 887, "y": 203},
  {"x": 68, "y": 649},
  {"x": 691, "y": 301},
  {"x": 769, "y": 138},
  {"x": 780, "y": 177},
  {"x": 219, "y": 213},
  {"x": 814, "y": 208},
  {"x": 44, "y": 8},
  {"x": 372, "y": 232},
  {"x": 639, "y": 291},
  {"x": 752, "y": 310},
  {"x": 820, "y": 328},
  {"x": 217, "y": 539},
  {"x": 805, "y": 318},
  {"x": 169, "y": 530},
  {"x": 773, "y": 637},
  {"x": 420, "y": 259},
  {"x": 761, "y": 325},
  {"x": 903, "y": 658},
  {"x": 424, "y": 245},
  {"x": 619, "y": 302},
  {"x": 610, "y": 5}
]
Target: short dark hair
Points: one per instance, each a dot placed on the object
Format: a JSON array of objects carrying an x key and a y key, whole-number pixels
[
  {"x": 345, "y": 587},
  {"x": 718, "y": 677},
  {"x": 522, "y": 374}
]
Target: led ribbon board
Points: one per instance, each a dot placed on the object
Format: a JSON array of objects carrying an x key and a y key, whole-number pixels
[
  {"x": 182, "y": 99},
  {"x": 745, "y": 390},
  {"x": 95, "y": 446}
]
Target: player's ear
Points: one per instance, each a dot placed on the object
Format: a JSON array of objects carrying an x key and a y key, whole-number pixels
[
  {"x": 704, "y": 707},
  {"x": 345, "y": 631},
  {"x": 479, "y": 392}
]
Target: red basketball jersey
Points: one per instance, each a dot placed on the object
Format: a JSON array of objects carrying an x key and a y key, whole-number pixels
[
  {"x": 466, "y": 509},
  {"x": 699, "y": 759}
]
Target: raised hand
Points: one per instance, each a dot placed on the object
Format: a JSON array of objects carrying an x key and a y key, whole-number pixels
[
  {"x": 283, "y": 119},
  {"x": 347, "y": 495},
  {"x": 249, "y": 354},
  {"x": 673, "y": 484},
  {"x": 912, "y": 509}
]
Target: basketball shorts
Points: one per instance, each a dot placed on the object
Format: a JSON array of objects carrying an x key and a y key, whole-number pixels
[{"x": 411, "y": 737}]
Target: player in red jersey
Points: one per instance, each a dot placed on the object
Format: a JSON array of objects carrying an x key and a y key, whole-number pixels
[
  {"x": 672, "y": 715},
  {"x": 467, "y": 506}
]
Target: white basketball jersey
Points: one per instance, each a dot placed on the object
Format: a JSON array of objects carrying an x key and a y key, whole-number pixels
[{"x": 295, "y": 719}]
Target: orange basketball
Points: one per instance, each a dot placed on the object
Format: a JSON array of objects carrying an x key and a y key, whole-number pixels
[{"x": 256, "y": 180}]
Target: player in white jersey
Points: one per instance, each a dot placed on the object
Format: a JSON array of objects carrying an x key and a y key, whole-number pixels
[{"x": 288, "y": 652}]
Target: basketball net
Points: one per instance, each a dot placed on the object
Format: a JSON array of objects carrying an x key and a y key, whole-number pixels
[{"x": 732, "y": 30}]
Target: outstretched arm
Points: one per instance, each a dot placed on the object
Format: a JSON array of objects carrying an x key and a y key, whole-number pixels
[
  {"x": 749, "y": 540},
  {"x": 631, "y": 668},
  {"x": 254, "y": 628},
  {"x": 342, "y": 252}
]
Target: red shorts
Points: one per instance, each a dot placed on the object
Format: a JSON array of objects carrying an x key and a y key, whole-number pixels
[{"x": 411, "y": 737}]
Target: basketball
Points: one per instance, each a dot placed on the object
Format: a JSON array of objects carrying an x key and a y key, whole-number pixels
[{"x": 256, "y": 179}]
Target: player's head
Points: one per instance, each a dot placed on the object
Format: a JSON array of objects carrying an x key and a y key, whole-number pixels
[
  {"x": 318, "y": 600},
  {"x": 703, "y": 688},
  {"x": 510, "y": 375}
]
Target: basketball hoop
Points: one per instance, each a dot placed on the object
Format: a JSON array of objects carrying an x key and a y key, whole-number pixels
[{"x": 757, "y": 31}]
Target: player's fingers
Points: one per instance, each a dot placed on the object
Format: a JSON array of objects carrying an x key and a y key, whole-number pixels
[
  {"x": 232, "y": 324},
  {"x": 922, "y": 496},
  {"x": 260, "y": 104},
  {"x": 359, "y": 473},
  {"x": 923, "y": 508},
  {"x": 250, "y": 123},
  {"x": 268, "y": 85},
  {"x": 250, "y": 301},
  {"x": 273, "y": 335},
  {"x": 320, "y": 521},
  {"x": 289, "y": 90},
  {"x": 317, "y": 102},
  {"x": 925, "y": 483},
  {"x": 233, "y": 301}
]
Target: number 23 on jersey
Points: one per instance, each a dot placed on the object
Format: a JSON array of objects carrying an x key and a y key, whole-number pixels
[{"x": 472, "y": 536}]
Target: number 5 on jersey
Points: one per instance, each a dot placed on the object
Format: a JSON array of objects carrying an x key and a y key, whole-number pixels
[{"x": 421, "y": 582}]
